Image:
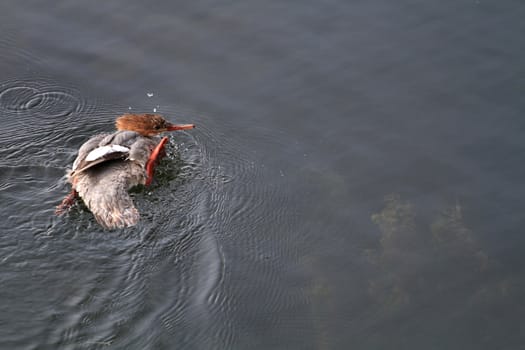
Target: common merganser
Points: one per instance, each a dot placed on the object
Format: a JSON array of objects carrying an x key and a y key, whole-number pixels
[{"x": 109, "y": 164}]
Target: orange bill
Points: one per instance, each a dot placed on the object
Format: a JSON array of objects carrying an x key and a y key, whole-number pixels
[{"x": 174, "y": 127}]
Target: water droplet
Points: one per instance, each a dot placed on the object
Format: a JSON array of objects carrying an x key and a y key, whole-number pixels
[
  {"x": 129, "y": 108},
  {"x": 150, "y": 94},
  {"x": 154, "y": 109}
]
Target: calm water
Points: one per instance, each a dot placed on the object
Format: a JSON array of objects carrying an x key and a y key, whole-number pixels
[{"x": 355, "y": 180}]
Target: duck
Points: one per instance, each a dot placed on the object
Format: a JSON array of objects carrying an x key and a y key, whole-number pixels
[{"x": 108, "y": 165}]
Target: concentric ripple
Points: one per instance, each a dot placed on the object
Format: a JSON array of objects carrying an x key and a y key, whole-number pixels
[
  {"x": 39, "y": 98},
  {"x": 38, "y": 117}
]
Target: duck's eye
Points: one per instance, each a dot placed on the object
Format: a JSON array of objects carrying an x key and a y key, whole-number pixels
[{"x": 158, "y": 127}]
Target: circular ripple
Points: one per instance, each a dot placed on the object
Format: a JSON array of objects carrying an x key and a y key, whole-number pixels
[
  {"x": 56, "y": 103},
  {"x": 17, "y": 98},
  {"x": 40, "y": 117},
  {"x": 40, "y": 98}
]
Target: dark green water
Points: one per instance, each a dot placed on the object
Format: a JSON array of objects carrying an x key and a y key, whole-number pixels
[{"x": 355, "y": 180}]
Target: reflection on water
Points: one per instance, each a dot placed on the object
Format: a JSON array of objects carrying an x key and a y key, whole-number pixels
[
  {"x": 407, "y": 250},
  {"x": 410, "y": 255}
]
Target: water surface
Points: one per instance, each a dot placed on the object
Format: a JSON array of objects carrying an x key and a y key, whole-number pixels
[{"x": 354, "y": 180}]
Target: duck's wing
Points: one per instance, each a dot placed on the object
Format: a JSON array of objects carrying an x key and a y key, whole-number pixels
[
  {"x": 100, "y": 155},
  {"x": 103, "y": 148}
]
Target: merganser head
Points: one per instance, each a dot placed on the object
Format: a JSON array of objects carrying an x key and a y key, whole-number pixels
[{"x": 148, "y": 124}]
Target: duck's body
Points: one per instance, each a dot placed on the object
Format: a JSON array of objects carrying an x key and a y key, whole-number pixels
[
  {"x": 108, "y": 165},
  {"x": 104, "y": 182}
]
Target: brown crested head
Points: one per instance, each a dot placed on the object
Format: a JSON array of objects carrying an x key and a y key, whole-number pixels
[{"x": 148, "y": 124}]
